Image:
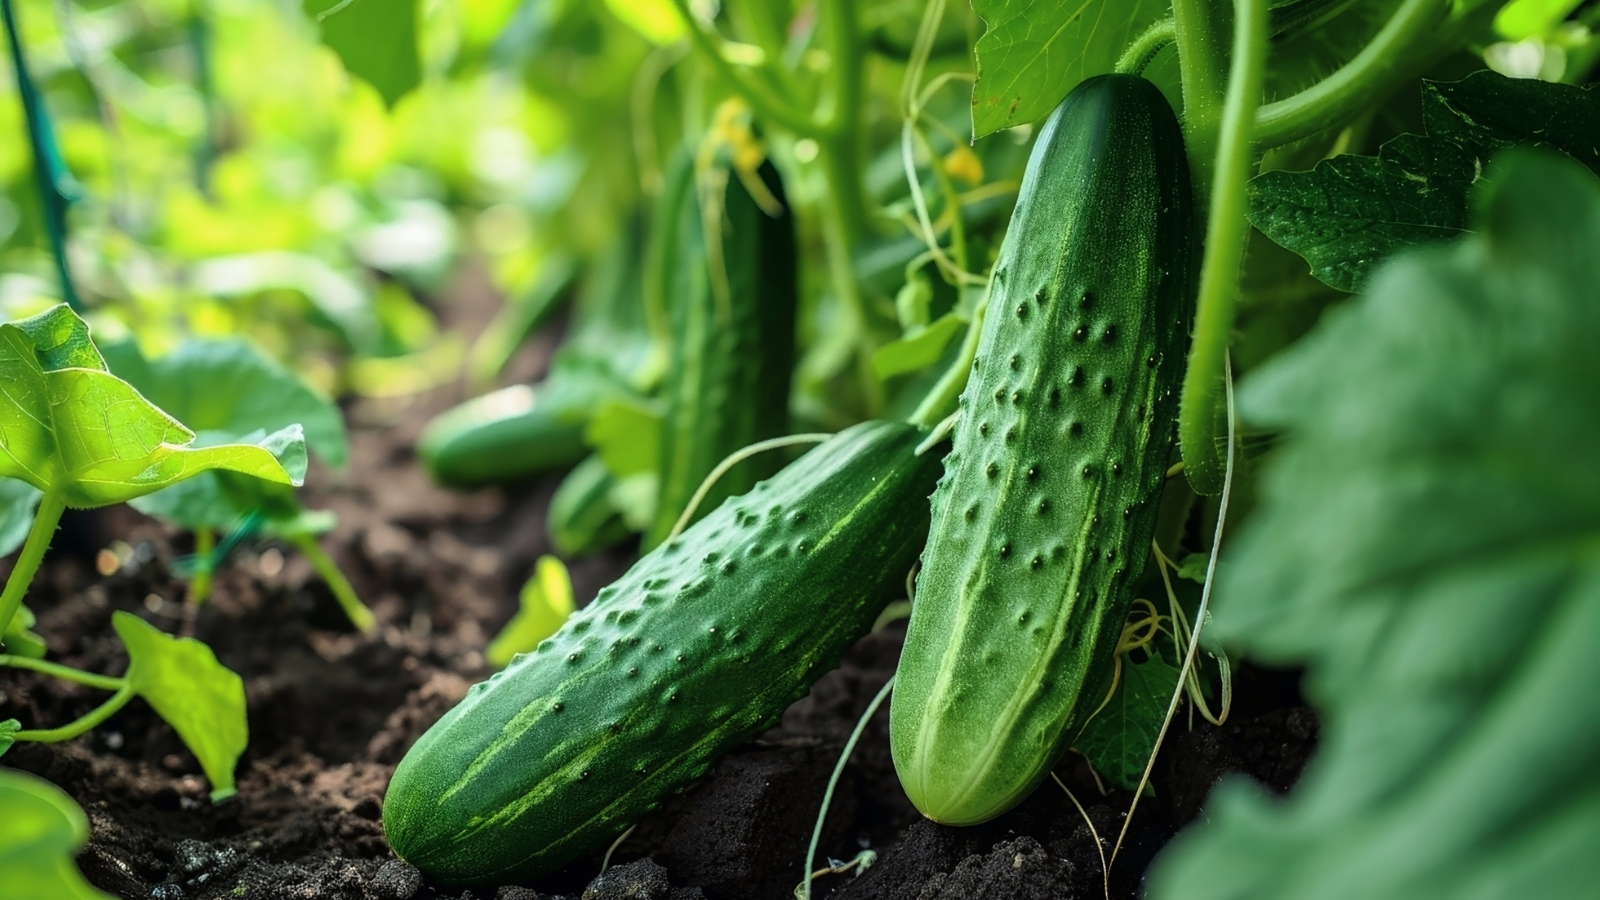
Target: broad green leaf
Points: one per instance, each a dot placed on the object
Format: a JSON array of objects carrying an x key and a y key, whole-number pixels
[
  {"x": 69, "y": 426},
  {"x": 545, "y": 604},
  {"x": 917, "y": 351},
  {"x": 1118, "y": 741},
  {"x": 375, "y": 39},
  {"x": 40, "y": 833},
  {"x": 626, "y": 433},
  {"x": 1425, "y": 546},
  {"x": 1033, "y": 52},
  {"x": 1351, "y": 212},
  {"x": 200, "y": 698},
  {"x": 18, "y": 500},
  {"x": 657, "y": 20},
  {"x": 227, "y": 386}
]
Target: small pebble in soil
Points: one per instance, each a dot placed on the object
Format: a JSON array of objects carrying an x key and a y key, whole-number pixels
[
  {"x": 396, "y": 880},
  {"x": 168, "y": 892}
]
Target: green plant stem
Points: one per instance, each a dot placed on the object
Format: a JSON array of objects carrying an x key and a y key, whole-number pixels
[
  {"x": 1224, "y": 250},
  {"x": 343, "y": 592},
  {"x": 1200, "y": 59},
  {"x": 72, "y": 729},
  {"x": 945, "y": 397},
  {"x": 833, "y": 781},
  {"x": 1144, "y": 48},
  {"x": 1331, "y": 102},
  {"x": 205, "y": 543},
  {"x": 45, "y": 519},
  {"x": 65, "y": 673},
  {"x": 766, "y": 104}
]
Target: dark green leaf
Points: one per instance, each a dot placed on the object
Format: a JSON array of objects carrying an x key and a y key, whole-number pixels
[
  {"x": 375, "y": 39},
  {"x": 70, "y": 427},
  {"x": 201, "y": 699},
  {"x": 1119, "y": 739},
  {"x": 41, "y": 831},
  {"x": 1425, "y": 545},
  {"x": 1033, "y": 52},
  {"x": 1352, "y": 212}
]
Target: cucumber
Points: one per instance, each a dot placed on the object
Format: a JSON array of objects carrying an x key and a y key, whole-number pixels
[
  {"x": 730, "y": 357},
  {"x": 701, "y": 645},
  {"x": 518, "y": 432},
  {"x": 1043, "y": 519},
  {"x": 582, "y": 517}
]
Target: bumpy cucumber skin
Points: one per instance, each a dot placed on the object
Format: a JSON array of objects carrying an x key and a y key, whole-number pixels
[
  {"x": 698, "y": 647},
  {"x": 1043, "y": 520},
  {"x": 731, "y": 359}
]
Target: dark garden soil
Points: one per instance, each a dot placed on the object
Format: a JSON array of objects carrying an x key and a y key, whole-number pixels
[{"x": 331, "y": 712}]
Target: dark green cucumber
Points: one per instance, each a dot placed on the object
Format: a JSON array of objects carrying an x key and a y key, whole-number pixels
[
  {"x": 519, "y": 432},
  {"x": 698, "y": 647},
  {"x": 582, "y": 517},
  {"x": 730, "y": 357},
  {"x": 513, "y": 433},
  {"x": 1043, "y": 519}
]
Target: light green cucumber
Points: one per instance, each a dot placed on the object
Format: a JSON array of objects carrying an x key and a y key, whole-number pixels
[{"x": 1043, "y": 519}]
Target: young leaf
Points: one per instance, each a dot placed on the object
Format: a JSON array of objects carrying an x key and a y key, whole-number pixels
[
  {"x": 375, "y": 39},
  {"x": 200, "y": 698},
  {"x": 626, "y": 433},
  {"x": 1033, "y": 52},
  {"x": 1118, "y": 740},
  {"x": 40, "y": 833},
  {"x": 1425, "y": 546},
  {"x": 18, "y": 500},
  {"x": 545, "y": 603},
  {"x": 1352, "y": 212},
  {"x": 19, "y": 639},
  {"x": 8, "y": 734},
  {"x": 228, "y": 387},
  {"x": 917, "y": 351},
  {"x": 70, "y": 427}
]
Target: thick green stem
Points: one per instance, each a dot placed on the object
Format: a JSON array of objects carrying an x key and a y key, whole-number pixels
[
  {"x": 1224, "y": 250},
  {"x": 205, "y": 543},
  {"x": 762, "y": 100},
  {"x": 45, "y": 519},
  {"x": 72, "y": 729},
  {"x": 1144, "y": 48},
  {"x": 65, "y": 673},
  {"x": 945, "y": 396},
  {"x": 342, "y": 590},
  {"x": 1336, "y": 99},
  {"x": 1200, "y": 62}
]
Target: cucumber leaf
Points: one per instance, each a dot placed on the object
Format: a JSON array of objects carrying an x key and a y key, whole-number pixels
[
  {"x": 8, "y": 734},
  {"x": 1033, "y": 52},
  {"x": 69, "y": 426},
  {"x": 626, "y": 433},
  {"x": 1351, "y": 212},
  {"x": 917, "y": 351},
  {"x": 1425, "y": 546},
  {"x": 1119, "y": 739},
  {"x": 41, "y": 831},
  {"x": 545, "y": 603},
  {"x": 200, "y": 698},
  {"x": 18, "y": 500},
  {"x": 19, "y": 638},
  {"x": 227, "y": 386},
  {"x": 375, "y": 39}
]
